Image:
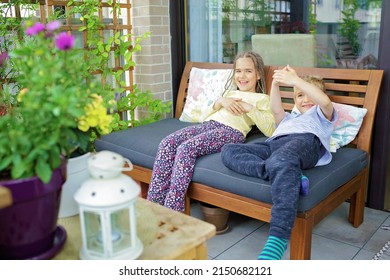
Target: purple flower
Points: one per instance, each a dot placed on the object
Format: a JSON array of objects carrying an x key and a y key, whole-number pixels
[
  {"x": 64, "y": 41},
  {"x": 35, "y": 29},
  {"x": 3, "y": 57},
  {"x": 53, "y": 25}
]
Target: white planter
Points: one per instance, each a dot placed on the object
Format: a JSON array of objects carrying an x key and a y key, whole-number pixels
[{"x": 77, "y": 173}]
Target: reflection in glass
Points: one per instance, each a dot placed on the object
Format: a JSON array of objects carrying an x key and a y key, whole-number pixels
[{"x": 346, "y": 33}]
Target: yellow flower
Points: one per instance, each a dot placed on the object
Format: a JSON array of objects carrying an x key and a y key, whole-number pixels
[
  {"x": 83, "y": 125},
  {"x": 21, "y": 94},
  {"x": 95, "y": 116}
]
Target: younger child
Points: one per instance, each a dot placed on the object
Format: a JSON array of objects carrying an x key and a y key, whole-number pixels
[
  {"x": 229, "y": 120},
  {"x": 300, "y": 141}
]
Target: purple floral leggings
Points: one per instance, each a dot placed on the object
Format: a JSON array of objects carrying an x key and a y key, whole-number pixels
[{"x": 176, "y": 156}]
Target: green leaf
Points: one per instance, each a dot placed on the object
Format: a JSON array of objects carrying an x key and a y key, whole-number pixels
[
  {"x": 4, "y": 163},
  {"x": 43, "y": 170}
]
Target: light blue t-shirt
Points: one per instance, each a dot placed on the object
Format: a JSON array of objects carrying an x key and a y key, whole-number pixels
[{"x": 312, "y": 121}]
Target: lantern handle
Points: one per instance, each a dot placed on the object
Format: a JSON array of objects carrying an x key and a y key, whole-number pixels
[{"x": 129, "y": 167}]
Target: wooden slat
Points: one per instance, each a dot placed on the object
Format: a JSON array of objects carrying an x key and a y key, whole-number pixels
[
  {"x": 335, "y": 74},
  {"x": 346, "y": 87}
]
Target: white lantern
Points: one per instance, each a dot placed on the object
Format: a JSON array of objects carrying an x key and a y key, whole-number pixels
[{"x": 107, "y": 210}]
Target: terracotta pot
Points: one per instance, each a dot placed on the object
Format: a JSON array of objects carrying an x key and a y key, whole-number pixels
[
  {"x": 29, "y": 226},
  {"x": 216, "y": 216}
]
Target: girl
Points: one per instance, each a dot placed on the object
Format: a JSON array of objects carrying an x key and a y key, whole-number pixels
[{"x": 229, "y": 120}]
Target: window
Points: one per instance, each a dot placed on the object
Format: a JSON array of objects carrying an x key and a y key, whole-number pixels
[{"x": 218, "y": 29}]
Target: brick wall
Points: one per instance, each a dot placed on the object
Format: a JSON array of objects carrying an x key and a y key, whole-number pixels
[{"x": 153, "y": 62}]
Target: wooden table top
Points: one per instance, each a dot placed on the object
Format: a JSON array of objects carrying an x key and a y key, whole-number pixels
[{"x": 165, "y": 234}]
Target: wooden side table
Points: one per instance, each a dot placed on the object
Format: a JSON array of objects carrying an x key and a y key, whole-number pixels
[
  {"x": 5, "y": 197},
  {"x": 165, "y": 234}
]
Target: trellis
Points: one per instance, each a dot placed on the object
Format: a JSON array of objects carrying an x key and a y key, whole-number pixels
[{"x": 112, "y": 23}]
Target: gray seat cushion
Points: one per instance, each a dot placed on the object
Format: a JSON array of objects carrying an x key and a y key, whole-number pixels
[
  {"x": 140, "y": 145},
  {"x": 346, "y": 164}
]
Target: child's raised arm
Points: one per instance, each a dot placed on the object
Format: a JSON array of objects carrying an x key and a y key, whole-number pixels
[
  {"x": 288, "y": 76},
  {"x": 276, "y": 102}
]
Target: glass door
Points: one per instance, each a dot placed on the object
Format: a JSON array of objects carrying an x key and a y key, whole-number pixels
[{"x": 332, "y": 33}]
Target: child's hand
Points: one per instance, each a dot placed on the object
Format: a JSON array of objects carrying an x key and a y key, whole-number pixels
[
  {"x": 287, "y": 76},
  {"x": 247, "y": 107},
  {"x": 233, "y": 105}
]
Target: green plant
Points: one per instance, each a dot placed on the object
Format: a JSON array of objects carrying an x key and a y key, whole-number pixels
[
  {"x": 118, "y": 46},
  {"x": 260, "y": 12},
  {"x": 58, "y": 109},
  {"x": 349, "y": 25},
  {"x": 229, "y": 9},
  {"x": 312, "y": 20},
  {"x": 11, "y": 32},
  {"x": 139, "y": 99},
  {"x": 92, "y": 71}
]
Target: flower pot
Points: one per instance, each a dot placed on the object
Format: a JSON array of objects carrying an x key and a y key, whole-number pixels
[
  {"x": 77, "y": 173},
  {"x": 216, "y": 216},
  {"x": 29, "y": 226}
]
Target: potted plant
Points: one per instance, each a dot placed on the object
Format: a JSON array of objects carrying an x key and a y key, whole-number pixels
[
  {"x": 59, "y": 108},
  {"x": 349, "y": 44},
  {"x": 105, "y": 46},
  {"x": 259, "y": 12}
]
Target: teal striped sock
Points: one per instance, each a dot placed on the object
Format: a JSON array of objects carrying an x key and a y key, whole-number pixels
[{"x": 273, "y": 249}]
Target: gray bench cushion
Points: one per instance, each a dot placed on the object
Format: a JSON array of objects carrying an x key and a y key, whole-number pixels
[
  {"x": 346, "y": 164},
  {"x": 140, "y": 145}
]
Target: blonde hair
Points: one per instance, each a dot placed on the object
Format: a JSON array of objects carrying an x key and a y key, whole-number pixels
[
  {"x": 315, "y": 80},
  {"x": 259, "y": 67}
]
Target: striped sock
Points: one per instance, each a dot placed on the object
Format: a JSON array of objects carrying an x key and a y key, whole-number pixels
[
  {"x": 304, "y": 185},
  {"x": 273, "y": 249}
]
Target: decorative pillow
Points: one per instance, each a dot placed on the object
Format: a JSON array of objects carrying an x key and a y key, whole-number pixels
[
  {"x": 205, "y": 87},
  {"x": 346, "y": 127}
]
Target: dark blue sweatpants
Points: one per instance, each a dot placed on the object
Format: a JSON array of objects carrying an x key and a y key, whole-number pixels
[{"x": 281, "y": 161}]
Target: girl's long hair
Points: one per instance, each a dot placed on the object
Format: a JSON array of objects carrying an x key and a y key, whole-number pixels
[{"x": 259, "y": 67}]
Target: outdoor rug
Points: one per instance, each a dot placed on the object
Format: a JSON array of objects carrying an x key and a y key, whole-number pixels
[{"x": 384, "y": 253}]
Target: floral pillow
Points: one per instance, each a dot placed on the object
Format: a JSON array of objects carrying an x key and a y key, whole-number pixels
[
  {"x": 205, "y": 87},
  {"x": 346, "y": 127}
]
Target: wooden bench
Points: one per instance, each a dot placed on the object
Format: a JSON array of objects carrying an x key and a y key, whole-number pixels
[{"x": 354, "y": 87}]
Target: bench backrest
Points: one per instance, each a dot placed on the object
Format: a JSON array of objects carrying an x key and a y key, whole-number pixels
[{"x": 348, "y": 86}]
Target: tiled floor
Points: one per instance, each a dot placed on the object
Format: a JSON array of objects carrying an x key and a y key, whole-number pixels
[{"x": 334, "y": 238}]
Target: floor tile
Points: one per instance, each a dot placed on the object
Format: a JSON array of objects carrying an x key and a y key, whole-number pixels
[
  {"x": 330, "y": 249},
  {"x": 334, "y": 238},
  {"x": 337, "y": 227},
  {"x": 379, "y": 238}
]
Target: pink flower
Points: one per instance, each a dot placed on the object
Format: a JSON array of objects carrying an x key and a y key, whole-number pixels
[
  {"x": 53, "y": 25},
  {"x": 3, "y": 57},
  {"x": 35, "y": 29},
  {"x": 64, "y": 41}
]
